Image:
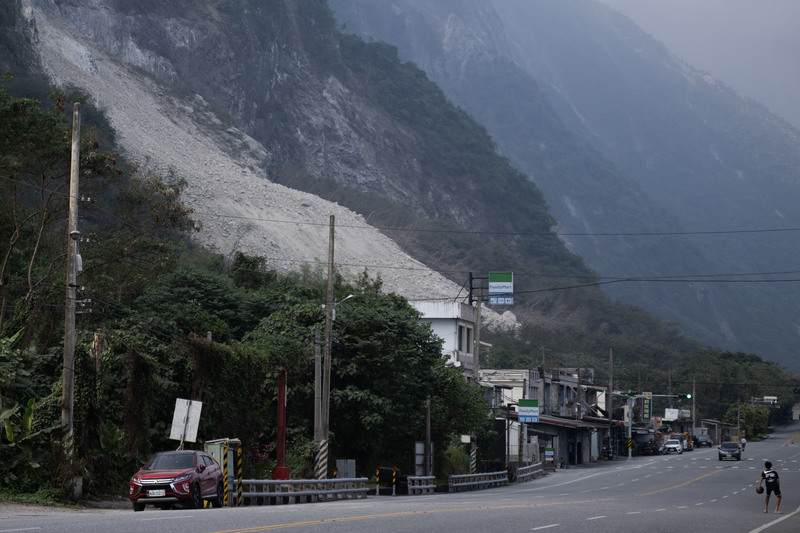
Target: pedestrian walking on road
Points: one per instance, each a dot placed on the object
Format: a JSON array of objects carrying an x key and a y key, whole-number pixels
[
  {"x": 773, "y": 484},
  {"x": 744, "y": 443}
]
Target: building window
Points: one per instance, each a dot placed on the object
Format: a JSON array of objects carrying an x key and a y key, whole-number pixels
[
  {"x": 461, "y": 338},
  {"x": 469, "y": 340}
]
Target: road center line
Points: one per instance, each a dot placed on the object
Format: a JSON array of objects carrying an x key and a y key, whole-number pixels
[{"x": 288, "y": 525}]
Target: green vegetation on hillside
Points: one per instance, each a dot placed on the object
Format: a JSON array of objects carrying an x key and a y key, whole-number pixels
[
  {"x": 167, "y": 322},
  {"x": 170, "y": 321}
]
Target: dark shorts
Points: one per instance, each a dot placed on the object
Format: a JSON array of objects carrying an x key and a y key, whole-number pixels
[{"x": 776, "y": 490}]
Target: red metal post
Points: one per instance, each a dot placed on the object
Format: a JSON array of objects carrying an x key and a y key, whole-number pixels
[{"x": 281, "y": 471}]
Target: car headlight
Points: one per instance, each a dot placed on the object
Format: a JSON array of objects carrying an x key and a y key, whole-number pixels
[{"x": 182, "y": 478}]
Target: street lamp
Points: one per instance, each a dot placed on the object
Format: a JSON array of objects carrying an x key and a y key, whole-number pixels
[{"x": 322, "y": 394}]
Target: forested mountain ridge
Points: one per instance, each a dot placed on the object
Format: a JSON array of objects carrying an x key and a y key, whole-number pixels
[
  {"x": 659, "y": 176},
  {"x": 312, "y": 110},
  {"x": 214, "y": 106},
  {"x": 328, "y": 113}
]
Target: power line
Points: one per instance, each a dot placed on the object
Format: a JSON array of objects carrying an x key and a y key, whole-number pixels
[
  {"x": 460, "y": 231},
  {"x": 509, "y": 233}
]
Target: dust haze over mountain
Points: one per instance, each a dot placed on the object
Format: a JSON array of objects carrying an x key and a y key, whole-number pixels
[
  {"x": 682, "y": 173},
  {"x": 752, "y": 46},
  {"x": 632, "y": 148}
]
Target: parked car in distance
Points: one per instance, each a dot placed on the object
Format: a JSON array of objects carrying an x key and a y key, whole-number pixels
[
  {"x": 184, "y": 477},
  {"x": 686, "y": 443},
  {"x": 703, "y": 440},
  {"x": 648, "y": 448},
  {"x": 673, "y": 446},
  {"x": 730, "y": 450}
]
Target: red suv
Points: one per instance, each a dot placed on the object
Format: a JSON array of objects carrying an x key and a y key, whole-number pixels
[{"x": 183, "y": 477}]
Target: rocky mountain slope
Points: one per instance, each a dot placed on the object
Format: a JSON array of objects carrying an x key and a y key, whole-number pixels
[
  {"x": 224, "y": 167},
  {"x": 659, "y": 176},
  {"x": 238, "y": 97}
]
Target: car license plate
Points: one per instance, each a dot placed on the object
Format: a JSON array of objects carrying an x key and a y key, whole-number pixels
[{"x": 156, "y": 493}]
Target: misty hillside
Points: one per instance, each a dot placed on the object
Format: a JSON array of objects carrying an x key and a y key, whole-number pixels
[
  {"x": 663, "y": 179},
  {"x": 254, "y": 102},
  {"x": 310, "y": 110}
]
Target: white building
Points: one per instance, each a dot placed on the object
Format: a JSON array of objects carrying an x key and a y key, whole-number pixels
[{"x": 454, "y": 322}]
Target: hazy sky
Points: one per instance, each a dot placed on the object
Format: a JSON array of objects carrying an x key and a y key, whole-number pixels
[{"x": 752, "y": 45}]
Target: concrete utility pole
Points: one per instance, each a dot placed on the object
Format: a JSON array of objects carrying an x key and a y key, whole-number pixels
[
  {"x": 68, "y": 372},
  {"x": 321, "y": 464},
  {"x": 612, "y": 443},
  {"x": 317, "y": 388},
  {"x": 694, "y": 405},
  {"x": 427, "y": 471},
  {"x": 476, "y": 360}
]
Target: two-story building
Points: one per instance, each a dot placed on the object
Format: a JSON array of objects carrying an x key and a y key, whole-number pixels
[
  {"x": 455, "y": 323},
  {"x": 572, "y": 429}
]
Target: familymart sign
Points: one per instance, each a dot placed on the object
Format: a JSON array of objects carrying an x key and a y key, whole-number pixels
[
  {"x": 501, "y": 288},
  {"x": 528, "y": 411}
]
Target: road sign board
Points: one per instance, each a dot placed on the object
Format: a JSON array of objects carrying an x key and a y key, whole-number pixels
[{"x": 185, "y": 420}]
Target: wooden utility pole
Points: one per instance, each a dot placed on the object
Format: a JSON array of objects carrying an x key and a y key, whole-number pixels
[{"x": 68, "y": 372}]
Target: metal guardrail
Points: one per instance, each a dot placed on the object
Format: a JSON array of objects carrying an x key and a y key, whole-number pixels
[
  {"x": 526, "y": 473},
  {"x": 271, "y": 491},
  {"x": 421, "y": 485},
  {"x": 485, "y": 480}
]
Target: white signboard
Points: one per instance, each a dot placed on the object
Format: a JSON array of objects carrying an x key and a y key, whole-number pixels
[
  {"x": 501, "y": 282},
  {"x": 672, "y": 414},
  {"x": 185, "y": 420},
  {"x": 528, "y": 411}
]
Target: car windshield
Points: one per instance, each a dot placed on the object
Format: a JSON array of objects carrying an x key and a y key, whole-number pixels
[
  {"x": 732, "y": 445},
  {"x": 170, "y": 461},
  {"x": 673, "y": 443}
]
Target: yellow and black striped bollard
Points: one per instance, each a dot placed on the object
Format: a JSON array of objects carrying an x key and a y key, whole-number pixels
[{"x": 239, "y": 476}]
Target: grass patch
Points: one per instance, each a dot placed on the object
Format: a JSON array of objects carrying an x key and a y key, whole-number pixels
[{"x": 45, "y": 496}]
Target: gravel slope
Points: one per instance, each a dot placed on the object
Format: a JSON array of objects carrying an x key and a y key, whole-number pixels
[{"x": 239, "y": 208}]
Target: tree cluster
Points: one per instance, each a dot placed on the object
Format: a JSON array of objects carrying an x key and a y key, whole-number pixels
[{"x": 168, "y": 321}]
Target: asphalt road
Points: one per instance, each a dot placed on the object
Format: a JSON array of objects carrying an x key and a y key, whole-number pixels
[{"x": 689, "y": 492}]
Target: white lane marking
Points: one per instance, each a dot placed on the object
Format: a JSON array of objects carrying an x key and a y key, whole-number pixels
[
  {"x": 545, "y": 527},
  {"x": 770, "y": 524},
  {"x": 166, "y": 518}
]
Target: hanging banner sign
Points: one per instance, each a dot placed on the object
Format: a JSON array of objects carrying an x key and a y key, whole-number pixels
[{"x": 647, "y": 407}]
